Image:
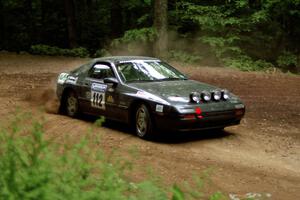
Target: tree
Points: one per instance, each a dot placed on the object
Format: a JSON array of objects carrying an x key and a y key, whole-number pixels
[
  {"x": 161, "y": 26},
  {"x": 116, "y": 19},
  {"x": 221, "y": 32},
  {"x": 70, "y": 15},
  {"x": 2, "y": 32}
]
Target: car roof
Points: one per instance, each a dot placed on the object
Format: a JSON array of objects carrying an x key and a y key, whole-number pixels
[{"x": 116, "y": 59}]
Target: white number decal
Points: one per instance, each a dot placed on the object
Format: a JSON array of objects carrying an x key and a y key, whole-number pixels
[
  {"x": 62, "y": 78},
  {"x": 98, "y": 100}
]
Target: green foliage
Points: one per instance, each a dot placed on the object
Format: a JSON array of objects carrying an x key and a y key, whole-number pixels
[
  {"x": 217, "y": 196},
  {"x": 233, "y": 29},
  {"x": 287, "y": 59},
  {"x": 245, "y": 63},
  {"x": 183, "y": 56},
  {"x": 77, "y": 52},
  {"x": 56, "y": 51},
  {"x": 194, "y": 189},
  {"x": 219, "y": 30},
  {"x": 219, "y": 27},
  {"x": 99, "y": 121},
  {"x": 177, "y": 193},
  {"x": 222, "y": 46},
  {"x": 135, "y": 41},
  {"x": 143, "y": 19},
  {"x": 143, "y": 35},
  {"x": 101, "y": 53},
  {"x": 33, "y": 167},
  {"x": 209, "y": 17}
]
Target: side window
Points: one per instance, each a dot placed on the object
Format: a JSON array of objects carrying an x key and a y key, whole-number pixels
[{"x": 101, "y": 71}]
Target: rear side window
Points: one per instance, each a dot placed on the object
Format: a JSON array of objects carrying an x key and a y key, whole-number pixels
[{"x": 101, "y": 71}]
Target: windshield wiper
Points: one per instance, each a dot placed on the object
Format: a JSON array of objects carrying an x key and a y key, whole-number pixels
[{"x": 171, "y": 79}]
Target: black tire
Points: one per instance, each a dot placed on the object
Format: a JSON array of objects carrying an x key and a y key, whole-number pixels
[
  {"x": 71, "y": 104},
  {"x": 143, "y": 122}
]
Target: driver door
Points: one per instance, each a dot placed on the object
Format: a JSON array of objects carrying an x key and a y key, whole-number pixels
[{"x": 96, "y": 92}]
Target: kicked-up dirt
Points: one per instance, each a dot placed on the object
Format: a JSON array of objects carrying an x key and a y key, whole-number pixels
[{"x": 261, "y": 156}]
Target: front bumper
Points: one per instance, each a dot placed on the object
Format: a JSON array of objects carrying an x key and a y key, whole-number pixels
[{"x": 208, "y": 120}]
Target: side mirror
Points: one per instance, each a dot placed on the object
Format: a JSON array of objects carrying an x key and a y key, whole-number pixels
[{"x": 111, "y": 80}]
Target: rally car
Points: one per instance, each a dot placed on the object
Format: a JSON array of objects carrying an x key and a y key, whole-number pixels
[{"x": 148, "y": 94}]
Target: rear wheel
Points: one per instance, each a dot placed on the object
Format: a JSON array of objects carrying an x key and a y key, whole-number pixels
[
  {"x": 71, "y": 104},
  {"x": 143, "y": 122}
]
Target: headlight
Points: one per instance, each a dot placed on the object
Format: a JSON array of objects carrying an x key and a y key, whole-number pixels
[
  {"x": 225, "y": 94},
  {"x": 217, "y": 95},
  {"x": 195, "y": 97},
  {"x": 206, "y": 96}
]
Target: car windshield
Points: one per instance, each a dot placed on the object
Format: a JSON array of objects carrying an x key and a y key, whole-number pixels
[{"x": 139, "y": 71}]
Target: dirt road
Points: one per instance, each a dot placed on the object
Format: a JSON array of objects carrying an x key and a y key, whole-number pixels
[{"x": 262, "y": 155}]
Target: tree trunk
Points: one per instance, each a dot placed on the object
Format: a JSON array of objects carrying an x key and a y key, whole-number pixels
[
  {"x": 161, "y": 26},
  {"x": 70, "y": 15},
  {"x": 89, "y": 3},
  {"x": 2, "y": 27},
  {"x": 30, "y": 29},
  {"x": 116, "y": 19}
]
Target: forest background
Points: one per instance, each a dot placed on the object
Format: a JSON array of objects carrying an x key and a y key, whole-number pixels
[{"x": 245, "y": 34}]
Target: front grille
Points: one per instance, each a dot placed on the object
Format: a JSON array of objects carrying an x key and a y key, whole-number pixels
[{"x": 219, "y": 113}]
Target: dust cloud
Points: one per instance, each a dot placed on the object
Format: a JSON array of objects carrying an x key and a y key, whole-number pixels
[{"x": 179, "y": 48}]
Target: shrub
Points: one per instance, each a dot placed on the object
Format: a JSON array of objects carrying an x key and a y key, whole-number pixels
[
  {"x": 41, "y": 49},
  {"x": 134, "y": 42},
  {"x": 36, "y": 168},
  {"x": 245, "y": 63},
  {"x": 143, "y": 35},
  {"x": 287, "y": 60},
  {"x": 182, "y": 56},
  {"x": 78, "y": 52},
  {"x": 101, "y": 53}
]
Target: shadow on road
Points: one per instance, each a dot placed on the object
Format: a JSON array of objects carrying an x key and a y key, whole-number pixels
[
  {"x": 184, "y": 137},
  {"x": 115, "y": 125},
  {"x": 165, "y": 137}
]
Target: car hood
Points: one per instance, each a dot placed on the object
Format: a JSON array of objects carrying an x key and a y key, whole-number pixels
[{"x": 170, "y": 90}]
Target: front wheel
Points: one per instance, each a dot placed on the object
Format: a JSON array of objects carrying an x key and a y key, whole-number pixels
[
  {"x": 71, "y": 104},
  {"x": 143, "y": 122}
]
